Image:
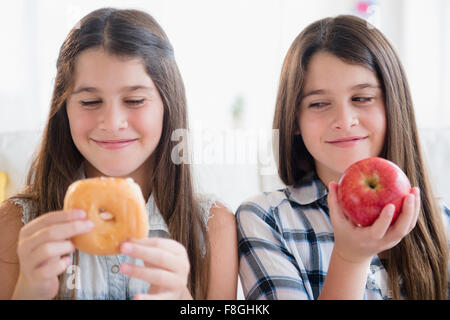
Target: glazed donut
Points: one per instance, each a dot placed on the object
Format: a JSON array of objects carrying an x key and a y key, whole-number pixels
[{"x": 115, "y": 206}]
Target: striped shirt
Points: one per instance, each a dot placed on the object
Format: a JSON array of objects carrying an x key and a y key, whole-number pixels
[{"x": 285, "y": 244}]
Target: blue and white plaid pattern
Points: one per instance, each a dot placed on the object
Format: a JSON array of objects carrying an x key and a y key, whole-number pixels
[{"x": 285, "y": 244}]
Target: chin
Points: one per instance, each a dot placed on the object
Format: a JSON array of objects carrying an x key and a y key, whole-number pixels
[
  {"x": 341, "y": 164},
  {"x": 116, "y": 170}
]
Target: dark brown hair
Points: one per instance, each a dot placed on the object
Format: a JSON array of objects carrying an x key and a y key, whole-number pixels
[
  {"x": 125, "y": 33},
  {"x": 421, "y": 257}
]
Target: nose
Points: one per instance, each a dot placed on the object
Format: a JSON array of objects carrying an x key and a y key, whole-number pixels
[
  {"x": 345, "y": 117},
  {"x": 112, "y": 118}
]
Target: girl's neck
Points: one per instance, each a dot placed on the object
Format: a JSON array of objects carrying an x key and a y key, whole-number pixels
[
  {"x": 326, "y": 176},
  {"x": 141, "y": 176}
]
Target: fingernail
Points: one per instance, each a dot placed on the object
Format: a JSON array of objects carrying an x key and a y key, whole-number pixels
[
  {"x": 89, "y": 224},
  {"x": 391, "y": 209},
  {"x": 411, "y": 199},
  {"x": 126, "y": 248},
  {"x": 80, "y": 213},
  {"x": 124, "y": 268},
  {"x": 68, "y": 261}
]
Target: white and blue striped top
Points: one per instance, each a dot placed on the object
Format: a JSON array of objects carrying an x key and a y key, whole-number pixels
[{"x": 285, "y": 244}]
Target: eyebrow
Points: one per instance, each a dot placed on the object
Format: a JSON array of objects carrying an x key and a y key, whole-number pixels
[
  {"x": 358, "y": 86},
  {"x": 94, "y": 89},
  {"x": 313, "y": 92},
  {"x": 366, "y": 85}
]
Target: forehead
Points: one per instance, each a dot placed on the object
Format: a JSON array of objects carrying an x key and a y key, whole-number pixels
[
  {"x": 328, "y": 72},
  {"x": 97, "y": 68}
]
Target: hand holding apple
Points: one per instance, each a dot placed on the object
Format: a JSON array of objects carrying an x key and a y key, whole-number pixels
[
  {"x": 358, "y": 245},
  {"x": 368, "y": 185}
]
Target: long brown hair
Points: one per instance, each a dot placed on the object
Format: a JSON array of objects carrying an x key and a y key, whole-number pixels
[
  {"x": 421, "y": 257},
  {"x": 129, "y": 33}
]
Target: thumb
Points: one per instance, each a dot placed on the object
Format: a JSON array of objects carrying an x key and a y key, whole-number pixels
[{"x": 336, "y": 213}]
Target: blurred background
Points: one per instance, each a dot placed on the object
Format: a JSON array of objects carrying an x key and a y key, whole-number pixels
[{"x": 230, "y": 55}]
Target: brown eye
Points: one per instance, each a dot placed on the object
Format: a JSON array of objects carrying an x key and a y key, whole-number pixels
[
  {"x": 317, "y": 104},
  {"x": 89, "y": 103},
  {"x": 362, "y": 99},
  {"x": 135, "y": 102}
]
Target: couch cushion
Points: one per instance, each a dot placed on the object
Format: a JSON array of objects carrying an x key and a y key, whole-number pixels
[{"x": 16, "y": 151}]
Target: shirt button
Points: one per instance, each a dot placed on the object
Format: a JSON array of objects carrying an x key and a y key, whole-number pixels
[{"x": 115, "y": 269}]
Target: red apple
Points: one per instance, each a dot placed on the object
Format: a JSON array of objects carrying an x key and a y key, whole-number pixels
[{"x": 368, "y": 185}]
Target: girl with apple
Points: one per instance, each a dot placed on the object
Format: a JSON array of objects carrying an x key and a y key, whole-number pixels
[{"x": 343, "y": 97}]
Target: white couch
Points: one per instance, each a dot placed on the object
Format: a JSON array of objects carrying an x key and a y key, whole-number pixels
[
  {"x": 16, "y": 152},
  {"x": 236, "y": 183},
  {"x": 231, "y": 183}
]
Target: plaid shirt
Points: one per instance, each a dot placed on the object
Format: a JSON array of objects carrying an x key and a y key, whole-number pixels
[{"x": 285, "y": 244}]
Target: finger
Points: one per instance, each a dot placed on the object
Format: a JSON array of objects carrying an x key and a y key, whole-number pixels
[
  {"x": 159, "y": 277},
  {"x": 417, "y": 206},
  {"x": 50, "y": 218},
  {"x": 50, "y": 251},
  {"x": 401, "y": 226},
  {"x": 154, "y": 289},
  {"x": 379, "y": 228},
  {"x": 162, "y": 243},
  {"x": 337, "y": 215},
  {"x": 156, "y": 257},
  {"x": 53, "y": 269},
  {"x": 56, "y": 232}
]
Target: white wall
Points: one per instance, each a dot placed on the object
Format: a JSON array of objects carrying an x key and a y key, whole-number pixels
[{"x": 225, "y": 50}]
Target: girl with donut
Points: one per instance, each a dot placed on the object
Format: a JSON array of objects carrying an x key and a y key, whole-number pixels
[
  {"x": 117, "y": 99},
  {"x": 343, "y": 96}
]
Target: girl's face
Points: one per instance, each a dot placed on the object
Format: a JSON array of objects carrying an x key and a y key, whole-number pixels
[
  {"x": 342, "y": 114},
  {"x": 115, "y": 113}
]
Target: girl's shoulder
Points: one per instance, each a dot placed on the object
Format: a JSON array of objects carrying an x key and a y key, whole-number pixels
[
  {"x": 446, "y": 210},
  {"x": 214, "y": 210},
  {"x": 10, "y": 225},
  {"x": 10, "y": 215},
  {"x": 25, "y": 207},
  {"x": 446, "y": 217},
  {"x": 266, "y": 200}
]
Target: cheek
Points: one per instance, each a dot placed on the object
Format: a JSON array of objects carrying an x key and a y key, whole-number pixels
[
  {"x": 311, "y": 131},
  {"x": 80, "y": 123},
  {"x": 149, "y": 122},
  {"x": 377, "y": 123}
]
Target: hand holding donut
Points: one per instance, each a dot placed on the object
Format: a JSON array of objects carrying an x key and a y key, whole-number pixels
[
  {"x": 166, "y": 267},
  {"x": 117, "y": 209},
  {"x": 42, "y": 248},
  {"x": 115, "y": 206}
]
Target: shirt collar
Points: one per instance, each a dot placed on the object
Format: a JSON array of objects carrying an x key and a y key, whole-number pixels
[{"x": 308, "y": 189}]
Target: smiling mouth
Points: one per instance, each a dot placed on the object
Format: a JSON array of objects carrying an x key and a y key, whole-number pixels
[
  {"x": 352, "y": 139},
  {"x": 114, "y": 144},
  {"x": 347, "y": 142}
]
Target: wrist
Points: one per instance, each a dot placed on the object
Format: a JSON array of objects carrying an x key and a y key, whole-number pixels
[
  {"x": 25, "y": 291},
  {"x": 346, "y": 278},
  {"x": 21, "y": 291},
  {"x": 350, "y": 258}
]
